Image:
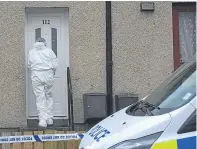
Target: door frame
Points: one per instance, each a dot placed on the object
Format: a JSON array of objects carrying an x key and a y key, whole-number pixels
[
  {"x": 176, "y": 8},
  {"x": 54, "y": 12}
]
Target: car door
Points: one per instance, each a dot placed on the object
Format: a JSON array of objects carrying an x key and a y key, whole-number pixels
[
  {"x": 188, "y": 131},
  {"x": 181, "y": 132}
]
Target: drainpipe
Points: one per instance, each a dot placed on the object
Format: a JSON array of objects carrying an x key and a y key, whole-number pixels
[{"x": 109, "y": 61}]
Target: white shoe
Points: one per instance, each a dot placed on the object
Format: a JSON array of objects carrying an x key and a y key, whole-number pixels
[
  {"x": 42, "y": 123},
  {"x": 50, "y": 121}
]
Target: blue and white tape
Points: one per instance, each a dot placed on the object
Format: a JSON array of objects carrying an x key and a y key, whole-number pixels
[{"x": 40, "y": 138}]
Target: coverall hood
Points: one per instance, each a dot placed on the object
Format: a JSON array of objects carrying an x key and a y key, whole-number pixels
[{"x": 39, "y": 45}]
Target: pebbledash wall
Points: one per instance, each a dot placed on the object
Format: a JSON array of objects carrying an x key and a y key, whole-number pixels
[
  {"x": 142, "y": 46},
  {"x": 142, "y": 52}
]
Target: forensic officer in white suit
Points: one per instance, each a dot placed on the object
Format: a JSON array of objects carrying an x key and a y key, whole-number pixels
[{"x": 43, "y": 63}]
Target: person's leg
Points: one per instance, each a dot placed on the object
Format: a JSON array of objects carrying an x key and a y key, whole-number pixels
[
  {"x": 49, "y": 101},
  {"x": 39, "y": 92}
]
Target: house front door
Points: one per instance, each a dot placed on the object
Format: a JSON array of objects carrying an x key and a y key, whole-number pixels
[{"x": 52, "y": 25}]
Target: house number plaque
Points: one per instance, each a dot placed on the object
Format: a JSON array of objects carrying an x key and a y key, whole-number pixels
[{"x": 45, "y": 21}]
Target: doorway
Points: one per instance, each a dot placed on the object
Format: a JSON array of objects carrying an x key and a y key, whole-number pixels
[{"x": 52, "y": 25}]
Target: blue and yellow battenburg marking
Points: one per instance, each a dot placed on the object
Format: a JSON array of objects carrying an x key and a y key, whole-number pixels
[{"x": 184, "y": 143}]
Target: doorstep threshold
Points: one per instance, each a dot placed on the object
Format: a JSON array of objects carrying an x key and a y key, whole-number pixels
[{"x": 55, "y": 117}]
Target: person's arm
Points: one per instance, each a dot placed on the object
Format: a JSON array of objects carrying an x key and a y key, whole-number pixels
[{"x": 54, "y": 61}]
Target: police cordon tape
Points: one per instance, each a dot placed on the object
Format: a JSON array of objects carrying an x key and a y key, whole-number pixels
[{"x": 41, "y": 138}]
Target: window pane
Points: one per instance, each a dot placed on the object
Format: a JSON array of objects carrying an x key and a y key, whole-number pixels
[
  {"x": 182, "y": 92},
  {"x": 187, "y": 35},
  {"x": 176, "y": 91},
  {"x": 37, "y": 33},
  {"x": 54, "y": 40}
]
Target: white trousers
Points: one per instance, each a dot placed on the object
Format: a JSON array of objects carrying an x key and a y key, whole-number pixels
[{"x": 42, "y": 82}]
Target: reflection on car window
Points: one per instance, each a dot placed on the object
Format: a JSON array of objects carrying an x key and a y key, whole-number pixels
[
  {"x": 176, "y": 91},
  {"x": 182, "y": 94}
]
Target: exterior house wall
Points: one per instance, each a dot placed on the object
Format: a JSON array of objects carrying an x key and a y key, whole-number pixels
[
  {"x": 142, "y": 52},
  {"x": 87, "y": 55},
  {"x": 142, "y": 47}
]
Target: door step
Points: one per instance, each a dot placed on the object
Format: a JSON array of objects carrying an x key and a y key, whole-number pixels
[{"x": 33, "y": 123}]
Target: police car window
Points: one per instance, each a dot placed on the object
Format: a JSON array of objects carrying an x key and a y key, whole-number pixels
[
  {"x": 176, "y": 91},
  {"x": 189, "y": 125},
  {"x": 182, "y": 93}
]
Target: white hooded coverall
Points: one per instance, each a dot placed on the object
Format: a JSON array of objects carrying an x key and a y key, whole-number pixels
[{"x": 43, "y": 64}]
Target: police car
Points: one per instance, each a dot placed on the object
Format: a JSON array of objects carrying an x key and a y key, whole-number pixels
[{"x": 165, "y": 119}]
